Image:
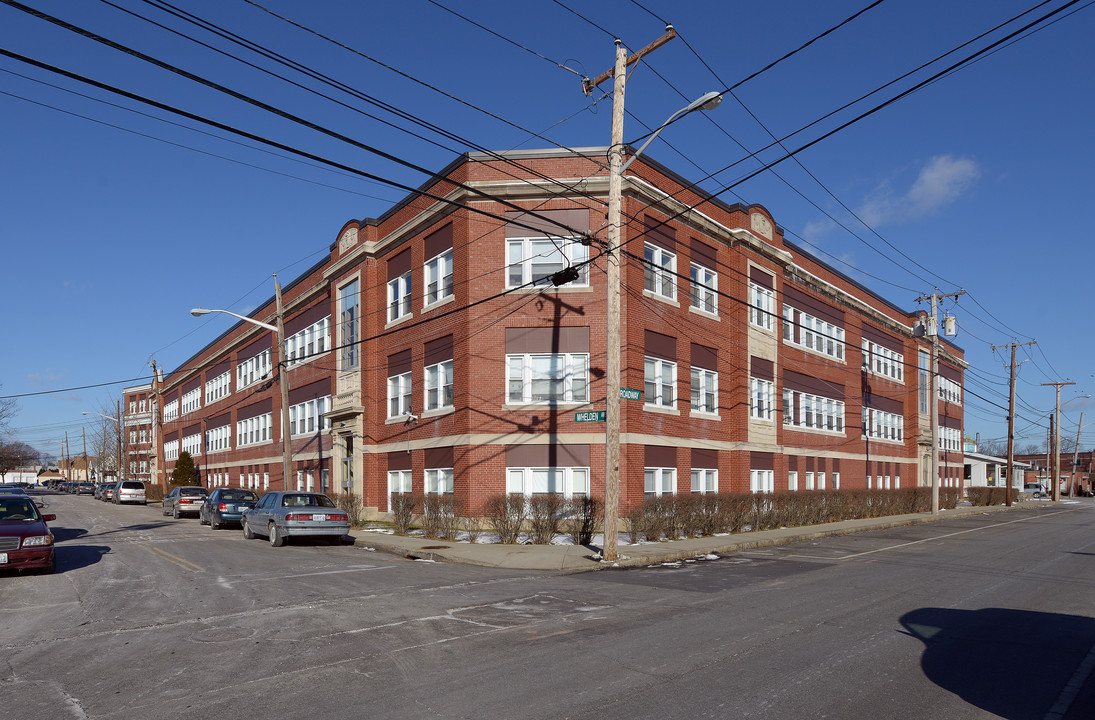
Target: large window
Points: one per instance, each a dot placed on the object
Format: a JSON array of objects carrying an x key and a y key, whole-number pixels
[
  {"x": 705, "y": 286},
  {"x": 536, "y": 259},
  {"x": 764, "y": 481},
  {"x": 191, "y": 400},
  {"x": 949, "y": 391},
  {"x": 660, "y": 382},
  {"x": 192, "y": 444},
  {"x": 255, "y": 430},
  {"x": 171, "y": 411},
  {"x": 399, "y": 482},
  {"x": 813, "y": 412},
  {"x": 218, "y": 387},
  {"x": 309, "y": 342},
  {"x": 884, "y": 361},
  {"x": 950, "y": 439},
  {"x": 762, "y": 306},
  {"x": 762, "y": 399},
  {"x": 438, "y": 481},
  {"x": 218, "y": 438},
  {"x": 399, "y": 395},
  {"x": 438, "y": 277},
  {"x": 659, "y": 271},
  {"x": 348, "y": 300},
  {"x": 439, "y": 385},
  {"x": 925, "y": 380},
  {"x": 813, "y": 333},
  {"x": 883, "y": 425},
  {"x": 253, "y": 369},
  {"x": 549, "y": 378},
  {"x": 659, "y": 481},
  {"x": 705, "y": 480},
  {"x": 171, "y": 450},
  {"x": 307, "y": 417},
  {"x": 399, "y": 297},
  {"x": 705, "y": 390},
  {"x": 567, "y": 481}
]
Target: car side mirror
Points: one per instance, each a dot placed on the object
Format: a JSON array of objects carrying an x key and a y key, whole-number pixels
[{"x": 49, "y": 518}]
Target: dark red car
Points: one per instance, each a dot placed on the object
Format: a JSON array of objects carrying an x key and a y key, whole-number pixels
[{"x": 25, "y": 541}]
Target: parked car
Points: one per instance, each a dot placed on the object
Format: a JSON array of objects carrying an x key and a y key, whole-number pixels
[
  {"x": 85, "y": 488},
  {"x": 225, "y": 506},
  {"x": 129, "y": 491},
  {"x": 25, "y": 540},
  {"x": 106, "y": 494},
  {"x": 1036, "y": 489},
  {"x": 280, "y": 515},
  {"x": 184, "y": 500}
]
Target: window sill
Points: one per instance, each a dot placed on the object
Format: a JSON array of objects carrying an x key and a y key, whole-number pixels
[
  {"x": 536, "y": 289},
  {"x": 449, "y": 410},
  {"x": 399, "y": 320},
  {"x": 815, "y": 431},
  {"x": 703, "y": 313},
  {"x": 700, "y": 415},
  {"x": 660, "y": 410},
  {"x": 438, "y": 303},
  {"x": 572, "y": 405},
  {"x": 661, "y": 298}
]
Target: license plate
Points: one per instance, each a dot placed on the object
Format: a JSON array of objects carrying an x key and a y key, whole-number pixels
[
  {"x": 3, "y": 558},
  {"x": 319, "y": 518}
]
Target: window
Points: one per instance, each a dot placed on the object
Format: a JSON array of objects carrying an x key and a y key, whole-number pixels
[
  {"x": 660, "y": 383},
  {"x": 307, "y": 417},
  {"x": 762, "y": 399},
  {"x": 144, "y": 405},
  {"x": 883, "y": 425},
  {"x": 218, "y": 387},
  {"x": 305, "y": 344},
  {"x": 348, "y": 303},
  {"x": 171, "y": 411},
  {"x": 255, "y": 430},
  {"x": 705, "y": 390},
  {"x": 324, "y": 480},
  {"x": 144, "y": 466},
  {"x": 763, "y": 481},
  {"x": 439, "y": 385},
  {"x": 171, "y": 450},
  {"x": 883, "y": 361},
  {"x": 762, "y": 306},
  {"x": 792, "y": 480},
  {"x": 566, "y": 481},
  {"x": 253, "y": 369},
  {"x": 562, "y": 377},
  {"x": 705, "y": 480},
  {"x": 809, "y": 481},
  {"x": 950, "y": 439},
  {"x": 399, "y": 395},
  {"x": 536, "y": 259},
  {"x": 814, "y": 334},
  {"x": 218, "y": 438},
  {"x": 144, "y": 436},
  {"x": 132, "y": 437},
  {"x": 659, "y": 271},
  {"x": 438, "y": 481},
  {"x": 812, "y": 412},
  {"x": 924, "y": 375},
  {"x": 836, "y": 481},
  {"x": 132, "y": 406},
  {"x": 705, "y": 285},
  {"x": 659, "y": 481},
  {"x": 949, "y": 390},
  {"x": 399, "y": 297},
  {"x": 438, "y": 277},
  {"x": 192, "y": 444},
  {"x": 191, "y": 400},
  {"x": 821, "y": 481}
]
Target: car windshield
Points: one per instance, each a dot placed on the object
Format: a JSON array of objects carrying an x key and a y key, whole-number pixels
[
  {"x": 192, "y": 491},
  {"x": 16, "y": 509},
  {"x": 306, "y": 501},
  {"x": 239, "y": 495}
]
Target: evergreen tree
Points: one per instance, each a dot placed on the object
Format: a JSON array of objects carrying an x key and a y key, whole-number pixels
[{"x": 184, "y": 473}]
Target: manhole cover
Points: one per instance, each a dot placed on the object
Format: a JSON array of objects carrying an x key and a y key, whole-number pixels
[{"x": 436, "y": 547}]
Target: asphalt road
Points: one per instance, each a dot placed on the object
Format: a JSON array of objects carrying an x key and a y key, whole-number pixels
[{"x": 150, "y": 617}]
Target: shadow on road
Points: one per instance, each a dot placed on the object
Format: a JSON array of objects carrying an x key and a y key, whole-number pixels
[
  {"x": 1012, "y": 663},
  {"x": 78, "y": 556}
]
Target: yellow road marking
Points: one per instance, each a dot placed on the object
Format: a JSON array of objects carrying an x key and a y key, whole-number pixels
[{"x": 175, "y": 559}]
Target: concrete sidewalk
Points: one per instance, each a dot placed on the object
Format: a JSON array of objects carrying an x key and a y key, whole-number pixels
[{"x": 579, "y": 558}]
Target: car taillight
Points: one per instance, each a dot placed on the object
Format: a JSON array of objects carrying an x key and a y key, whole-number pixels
[
  {"x": 223, "y": 507},
  {"x": 298, "y": 516}
]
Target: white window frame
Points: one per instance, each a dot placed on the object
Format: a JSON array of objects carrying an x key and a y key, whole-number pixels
[
  {"x": 705, "y": 289},
  {"x": 883, "y": 425},
  {"x": 659, "y": 379},
  {"x": 400, "y": 395},
  {"x": 762, "y": 306},
  {"x": 253, "y": 369},
  {"x": 552, "y": 254},
  {"x": 218, "y": 387},
  {"x": 762, "y": 481},
  {"x": 705, "y": 391},
  {"x": 762, "y": 399},
  {"x": 813, "y": 412},
  {"x": 884, "y": 362},
  {"x": 659, "y": 271},
  {"x": 792, "y": 480},
  {"x": 171, "y": 411},
  {"x": 659, "y": 481},
  {"x": 255, "y": 430},
  {"x": 573, "y": 381},
  {"x": 949, "y": 391},
  {"x": 437, "y": 278},
  {"x": 218, "y": 438},
  {"x": 569, "y": 481},
  {"x": 438, "y": 481},
  {"x": 171, "y": 450},
  {"x": 399, "y": 297},
  {"x": 308, "y": 416},
  {"x": 349, "y": 300},
  {"x": 815, "y": 335},
  {"x": 705, "y": 480},
  {"x": 309, "y": 343},
  {"x": 438, "y": 382}
]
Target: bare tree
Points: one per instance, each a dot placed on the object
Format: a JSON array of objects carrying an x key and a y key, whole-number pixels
[
  {"x": 104, "y": 440},
  {"x": 8, "y": 408},
  {"x": 996, "y": 448},
  {"x": 14, "y": 454}
]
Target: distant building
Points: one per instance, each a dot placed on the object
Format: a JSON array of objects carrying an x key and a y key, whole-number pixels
[{"x": 138, "y": 432}]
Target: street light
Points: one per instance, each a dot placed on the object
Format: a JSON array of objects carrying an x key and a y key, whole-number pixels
[
  {"x": 710, "y": 100},
  {"x": 283, "y": 376},
  {"x": 121, "y": 460}
]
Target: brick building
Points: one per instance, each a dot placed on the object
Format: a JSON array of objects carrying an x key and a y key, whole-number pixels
[
  {"x": 138, "y": 432},
  {"x": 430, "y": 352}
]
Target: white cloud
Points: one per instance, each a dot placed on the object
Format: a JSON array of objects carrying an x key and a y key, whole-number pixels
[{"x": 940, "y": 182}]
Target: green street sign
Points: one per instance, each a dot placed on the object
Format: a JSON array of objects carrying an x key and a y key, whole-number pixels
[
  {"x": 629, "y": 394},
  {"x": 591, "y": 416}
]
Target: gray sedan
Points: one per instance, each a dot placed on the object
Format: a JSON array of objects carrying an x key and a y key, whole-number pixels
[{"x": 280, "y": 515}]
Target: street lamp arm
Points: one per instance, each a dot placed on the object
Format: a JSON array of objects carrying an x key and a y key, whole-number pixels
[
  {"x": 92, "y": 412},
  {"x": 708, "y": 101},
  {"x": 198, "y": 312}
]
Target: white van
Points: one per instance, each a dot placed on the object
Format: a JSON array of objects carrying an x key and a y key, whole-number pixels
[{"x": 129, "y": 491}]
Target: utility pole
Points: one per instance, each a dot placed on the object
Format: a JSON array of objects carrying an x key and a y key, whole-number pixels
[
  {"x": 1011, "y": 421},
  {"x": 157, "y": 427},
  {"x": 933, "y": 333},
  {"x": 1075, "y": 459},
  {"x": 610, "y": 551},
  {"x": 121, "y": 456},
  {"x": 83, "y": 434},
  {"x": 1056, "y": 492},
  {"x": 283, "y": 381}
]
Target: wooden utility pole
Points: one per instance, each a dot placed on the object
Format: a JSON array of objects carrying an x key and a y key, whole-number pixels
[
  {"x": 121, "y": 456},
  {"x": 610, "y": 551},
  {"x": 83, "y": 433},
  {"x": 1011, "y": 421},
  {"x": 1056, "y": 492},
  {"x": 933, "y": 333},
  {"x": 1075, "y": 459},
  {"x": 157, "y": 427}
]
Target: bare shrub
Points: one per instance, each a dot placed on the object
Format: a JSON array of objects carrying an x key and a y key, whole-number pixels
[
  {"x": 439, "y": 516},
  {"x": 584, "y": 517},
  {"x": 506, "y": 514},
  {"x": 546, "y": 517},
  {"x": 349, "y": 504},
  {"x": 949, "y": 497},
  {"x": 473, "y": 528},
  {"x": 984, "y": 496},
  {"x": 401, "y": 509}
]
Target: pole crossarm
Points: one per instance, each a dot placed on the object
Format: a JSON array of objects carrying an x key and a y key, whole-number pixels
[{"x": 588, "y": 85}]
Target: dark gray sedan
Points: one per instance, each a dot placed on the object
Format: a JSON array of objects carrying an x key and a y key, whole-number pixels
[
  {"x": 225, "y": 506},
  {"x": 280, "y": 515}
]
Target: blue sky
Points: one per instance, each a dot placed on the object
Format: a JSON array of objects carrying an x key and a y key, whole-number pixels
[{"x": 115, "y": 223}]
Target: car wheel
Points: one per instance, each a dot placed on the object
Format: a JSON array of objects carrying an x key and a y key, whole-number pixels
[
  {"x": 163, "y": 510},
  {"x": 247, "y": 532},
  {"x": 213, "y": 522},
  {"x": 276, "y": 538},
  {"x": 175, "y": 512},
  {"x": 201, "y": 518}
]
